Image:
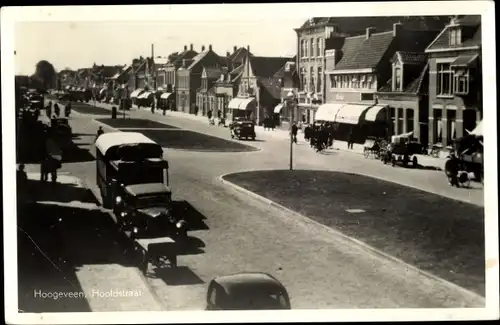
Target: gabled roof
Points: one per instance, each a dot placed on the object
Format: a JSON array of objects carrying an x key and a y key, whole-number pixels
[
  {"x": 470, "y": 30},
  {"x": 213, "y": 73},
  {"x": 267, "y": 66},
  {"x": 357, "y": 25},
  {"x": 361, "y": 53},
  {"x": 415, "y": 85},
  {"x": 410, "y": 57},
  {"x": 272, "y": 86},
  {"x": 197, "y": 59},
  {"x": 237, "y": 71},
  {"x": 185, "y": 55}
]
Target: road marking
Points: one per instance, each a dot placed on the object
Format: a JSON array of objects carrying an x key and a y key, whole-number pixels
[{"x": 355, "y": 210}]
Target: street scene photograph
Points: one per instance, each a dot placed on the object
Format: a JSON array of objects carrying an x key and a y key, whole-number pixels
[{"x": 232, "y": 158}]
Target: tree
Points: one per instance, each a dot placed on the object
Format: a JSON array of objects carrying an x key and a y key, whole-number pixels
[
  {"x": 46, "y": 74},
  {"x": 172, "y": 57}
]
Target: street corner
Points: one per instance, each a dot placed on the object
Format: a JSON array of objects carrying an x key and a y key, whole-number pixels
[{"x": 372, "y": 212}]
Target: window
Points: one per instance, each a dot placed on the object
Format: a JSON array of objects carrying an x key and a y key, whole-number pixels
[
  {"x": 302, "y": 49},
  {"x": 444, "y": 79},
  {"x": 313, "y": 47},
  {"x": 354, "y": 82},
  {"x": 311, "y": 79},
  {"x": 366, "y": 96},
  {"x": 397, "y": 80},
  {"x": 333, "y": 81},
  {"x": 461, "y": 82},
  {"x": 306, "y": 48},
  {"x": 302, "y": 79},
  {"x": 362, "y": 81},
  {"x": 319, "y": 82},
  {"x": 455, "y": 36},
  {"x": 320, "y": 47}
]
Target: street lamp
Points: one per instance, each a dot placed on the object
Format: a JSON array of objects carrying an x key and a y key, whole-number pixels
[{"x": 290, "y": 103}]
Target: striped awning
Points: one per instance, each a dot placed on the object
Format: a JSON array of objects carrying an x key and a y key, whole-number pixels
[
  {"x": 240, "y": 103},
  {"x": 350, "y": 113},
  {"x": 328, "y": 112},
  {"x": 166, "y": 95}
]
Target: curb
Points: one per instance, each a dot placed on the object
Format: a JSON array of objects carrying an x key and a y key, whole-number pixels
[{"x": 354, "y": 241}]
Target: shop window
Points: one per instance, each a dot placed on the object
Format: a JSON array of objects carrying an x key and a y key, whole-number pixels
[
  {"x": 444, "y": 79},
  {"x": 410, "y": 116},
  {"x": 461, "y": 82}
]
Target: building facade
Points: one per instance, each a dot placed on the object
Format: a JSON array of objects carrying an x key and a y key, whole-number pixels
[
  {"x": 357, "y": 71},
  {"x": 318, "y": 34},
  {"x": 205, "y": 95},
  {"x": 188, "y": 79},
  {"x": 455, "y": 82}
]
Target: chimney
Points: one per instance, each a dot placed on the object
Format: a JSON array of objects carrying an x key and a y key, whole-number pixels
[
  {"x": 203, "y": 48},
  {"x": 185, "y": 47},
  {"x": 210, "y": 47},
  {"x": 248, "y": 48},
  {"x": 396, "y": 29},
  {"x": 369, "y": 32},
  {"x": 191, "y": 47},
  {"x": 228, "y": 53},
  {"x": 235, "y": 48}
]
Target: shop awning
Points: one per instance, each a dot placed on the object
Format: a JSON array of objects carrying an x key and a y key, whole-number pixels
[
  {"x": 278, "y": 108},
  {"x": 166, "y": 95},
  {"x": 240, "y": 103},
  {"x": 328, "y": 112},
  {"x": 136, "y": 93},
  {"x": 350, "y": 113},
  {"x": 145, "y": 95},
  {"x": 376, "y": 113},
  {"x": 464, "y": 61},
  {"x": 478, "y": 130}
]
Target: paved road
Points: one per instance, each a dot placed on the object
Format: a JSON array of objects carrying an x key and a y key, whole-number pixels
[{"x": 319, "y": 270}]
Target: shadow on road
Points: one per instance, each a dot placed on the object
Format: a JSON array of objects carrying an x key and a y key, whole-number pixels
[
  {"x": 177, "y": 276},
  {"x": 191, "y": 246},
  {"x": 194, "y": 218},
  {"x": 76, "y": 153},
  {"x": 56, "y": 240}
]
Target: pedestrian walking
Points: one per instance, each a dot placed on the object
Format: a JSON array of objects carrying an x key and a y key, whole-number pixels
[
  {"x": 350, "y": 142},
  {"x": 44, "y": 169},
  {"x": 57, "y": 110},
  {"x": 100, "y": 132},
  {"x": 452, "y": 166},
  {"x": 209, "y": 115},
  {"x": 153, "y": 107},
  {"x": 295, "y": 129}
]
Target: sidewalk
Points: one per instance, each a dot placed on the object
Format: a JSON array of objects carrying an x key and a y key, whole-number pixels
[
  {"x": 84, "y": 244},
  {"x": 279, "y": 134}
]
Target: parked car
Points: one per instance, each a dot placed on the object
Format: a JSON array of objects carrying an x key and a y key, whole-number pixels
[{"x": 247, "y": 291}]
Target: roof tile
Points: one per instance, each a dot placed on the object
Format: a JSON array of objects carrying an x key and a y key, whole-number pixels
[
  {"x": 267, "y": 66},
  {"x": 470, "y": 30}
]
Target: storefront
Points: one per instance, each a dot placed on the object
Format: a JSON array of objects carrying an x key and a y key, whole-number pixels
[
  {"x": 245, "y": 107},
  {"x": 135, "y": 94}
]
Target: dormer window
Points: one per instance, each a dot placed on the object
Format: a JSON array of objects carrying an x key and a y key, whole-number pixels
[
  {"x": 455, "y": 36},
  {"x": 398, "y": 79}
]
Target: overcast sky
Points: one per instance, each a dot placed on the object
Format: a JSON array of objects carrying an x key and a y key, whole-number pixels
[{"x": 116, "y": 34}]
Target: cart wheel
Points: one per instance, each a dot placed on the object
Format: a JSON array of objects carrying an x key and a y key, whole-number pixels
[
  {"x": 365, "y": 153},
  {"x": 414, "y": 162}
]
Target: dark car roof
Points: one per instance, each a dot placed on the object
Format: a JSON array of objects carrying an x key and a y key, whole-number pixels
[
  {"x": 254, "y": 279},
  {"x": 148, "y": 188}
]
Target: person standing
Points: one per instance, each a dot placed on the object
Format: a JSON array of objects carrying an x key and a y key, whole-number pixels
[{"x": 209, "y": 115}]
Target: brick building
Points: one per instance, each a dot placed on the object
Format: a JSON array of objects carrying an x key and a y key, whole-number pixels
[
  {"x": 357, "y": 70},
  {"x": 259, "y": 89},
  {"x": 455, "y": 82},
  {"x": 320, "y": 33},
  {"x": 188, "y": 78}
]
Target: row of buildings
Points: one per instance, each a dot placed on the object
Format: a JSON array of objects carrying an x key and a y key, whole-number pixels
[{"x": 373, "y": 76}]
